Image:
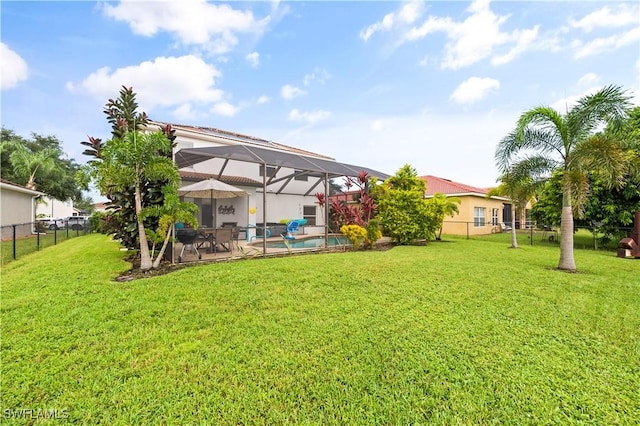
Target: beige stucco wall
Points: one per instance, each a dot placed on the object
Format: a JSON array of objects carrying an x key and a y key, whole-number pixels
[
  {"x": 463, "y": 222},
  {"x": 17, "y": 208}
]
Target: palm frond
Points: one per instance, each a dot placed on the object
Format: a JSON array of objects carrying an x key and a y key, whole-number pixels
[
  {"x": 610, "y": 105},
  {"x": 605, "y": 156}
]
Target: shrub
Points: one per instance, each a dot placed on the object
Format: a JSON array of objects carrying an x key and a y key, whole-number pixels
[
  {"x": 355, "y": 233},
  {"x": 373, "y": 233}
]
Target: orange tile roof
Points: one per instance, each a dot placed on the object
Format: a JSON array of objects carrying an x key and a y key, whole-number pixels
[{"x": 449, "y": 187}]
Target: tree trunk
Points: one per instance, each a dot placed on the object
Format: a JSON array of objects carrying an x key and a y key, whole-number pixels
[
  {"x": 567, "y": 262},
  {"x": 514, "y": 235},
  {"x": 156, "y": 263},
  {"x": 145, "y": 257}
]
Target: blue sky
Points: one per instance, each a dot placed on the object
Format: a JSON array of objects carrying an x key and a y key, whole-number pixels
[{"x": 381, "y": 84}]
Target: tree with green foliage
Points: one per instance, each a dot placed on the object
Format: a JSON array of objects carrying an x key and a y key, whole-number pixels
[
  {"x": 171, "y": 212},
  {"x": 403, "y": 212},
  {"x": 442, "y": 206},
  {"x": 517, "y": 185},
  {"x": 545, "y": 140},
  {"x": 131, "y": 162},
  {"x": 40, "y": 163},
  {"x": 123, "y": 116}
]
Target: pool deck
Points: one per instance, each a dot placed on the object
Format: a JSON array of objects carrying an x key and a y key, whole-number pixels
[{"x": 244, "y": 249}]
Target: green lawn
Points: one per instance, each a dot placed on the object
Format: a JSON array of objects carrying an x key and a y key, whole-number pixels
[{"x": 457, "y": 332}]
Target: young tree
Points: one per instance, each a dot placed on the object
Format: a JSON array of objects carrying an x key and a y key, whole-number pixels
[
  {"x": 123, "y": 116},
  {"x": 517, "y": 185},
  {"x": 130, "y": 162},
  {"x": 171, "y": 212},
  {"x": 402, "y": 210},
  {"x": 545, "y": 140},
  {"x": 442, "y": 206}
]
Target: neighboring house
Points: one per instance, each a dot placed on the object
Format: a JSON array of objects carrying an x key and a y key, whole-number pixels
[
  {"x": 281, "y": 180},
  {"x": 100, "y": 207},
  {"x": 478, "y": 214},
  {"x": 55, "y": 209},
  {"x": 17, "y": 207}
]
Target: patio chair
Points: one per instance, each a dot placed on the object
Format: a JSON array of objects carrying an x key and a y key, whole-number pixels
[
  {"x": 504, "y": 227},
  {"x": 187, "y": 237},
  {"x": 224, "y": 239}
]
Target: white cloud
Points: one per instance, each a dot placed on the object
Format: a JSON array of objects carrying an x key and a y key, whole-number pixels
[
  {"x": 621, "y": 16},
  {"x": 588, "y": 78},
  {"x": 320, "y": 75},
  {"x": 253, "y": 58},
  {"x": 311, "y": 117},
  {"x": 565, "y": 103},
  {"x": 606, "y": 44},
  {"x": 14, "y": 69},
  {"x": 184, "y": 112},
  {"x": 523, "y": 40},
  {"x": 195, "y": 22},
  {"x": 477, "y": 37},
  {"x": 289, "y": 92},
  {"x": 264, "y": 99},
  {"x": 225, "y": 109},
  {"x": 406, "y": 15},
  {"x": 167, "y": 81},
  {"x": 474, "y": 89}
]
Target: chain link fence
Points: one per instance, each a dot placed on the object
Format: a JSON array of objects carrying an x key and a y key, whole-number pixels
[
  {"x": 24, "y": 238},
  {"x": 585, "y": 237}
]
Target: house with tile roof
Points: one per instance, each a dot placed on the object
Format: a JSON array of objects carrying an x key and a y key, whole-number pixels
[
  {"x": 281, "y": 180},
  {"x": 478, "y": 213}
]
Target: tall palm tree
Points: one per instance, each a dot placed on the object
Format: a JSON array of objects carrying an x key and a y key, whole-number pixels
[{"x": 546, "y": 140}]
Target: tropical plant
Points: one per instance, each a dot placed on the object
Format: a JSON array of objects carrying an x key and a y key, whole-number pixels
[
  {"x": 123, "y": 116},
  {"x": 355, "y": 233},
  {"x": 545, "y": 140},
  {"x": 517, "y": 185},
  {"x": 403, "y": 212},
  {"x": 39, "y": 162},
  {"x": 131, "y": 162},
  {"x": 171, "y": 212},
  {"x": 440, "y": 206}
]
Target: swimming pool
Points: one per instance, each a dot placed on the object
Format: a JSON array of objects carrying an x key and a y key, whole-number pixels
[{"x": 307, "y": 242}]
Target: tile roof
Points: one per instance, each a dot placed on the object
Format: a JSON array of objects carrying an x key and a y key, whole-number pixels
[
  {"x": 231, "y": 180},
  {"x": 449, "y": 187}
]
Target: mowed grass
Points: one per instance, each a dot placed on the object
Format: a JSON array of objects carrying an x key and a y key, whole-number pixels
[{"x": 457, "y": 332}]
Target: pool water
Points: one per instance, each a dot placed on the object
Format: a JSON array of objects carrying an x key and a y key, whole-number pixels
[{"x": 309, "y": 242}]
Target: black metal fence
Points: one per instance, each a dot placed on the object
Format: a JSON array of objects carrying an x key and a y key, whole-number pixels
[
  {"x": 585, "y": 237},
  {"x": 24, "y": 238}
]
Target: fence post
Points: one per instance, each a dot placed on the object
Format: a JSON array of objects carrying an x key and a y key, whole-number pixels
[
  {"x": 467, "y": 230},
  {"x": 37, "y": 237},
  {"x": 531, "y": 228},
  {"x": 14, "y": 242},
  {"x": 55, "y": 235}
]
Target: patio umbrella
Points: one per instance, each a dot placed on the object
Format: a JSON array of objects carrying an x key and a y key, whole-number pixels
[{"x": 213, "y": 189}]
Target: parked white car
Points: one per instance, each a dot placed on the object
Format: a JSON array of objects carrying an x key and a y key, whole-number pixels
[
  {"x": 77, "y": 222},
  {"x": 51, "y": 223}
]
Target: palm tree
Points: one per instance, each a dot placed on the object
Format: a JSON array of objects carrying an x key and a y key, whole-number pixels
[
  {"x": 129, "y": 162},
  {"x": 442, "y": 206},
  {"x": 546, "y": 140},
  {"x": 517, "y": 185},
  {"x": 28, "y": 165}
]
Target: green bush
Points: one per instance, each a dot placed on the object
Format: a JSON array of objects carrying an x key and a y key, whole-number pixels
[{"x": 355, "y": 233}]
